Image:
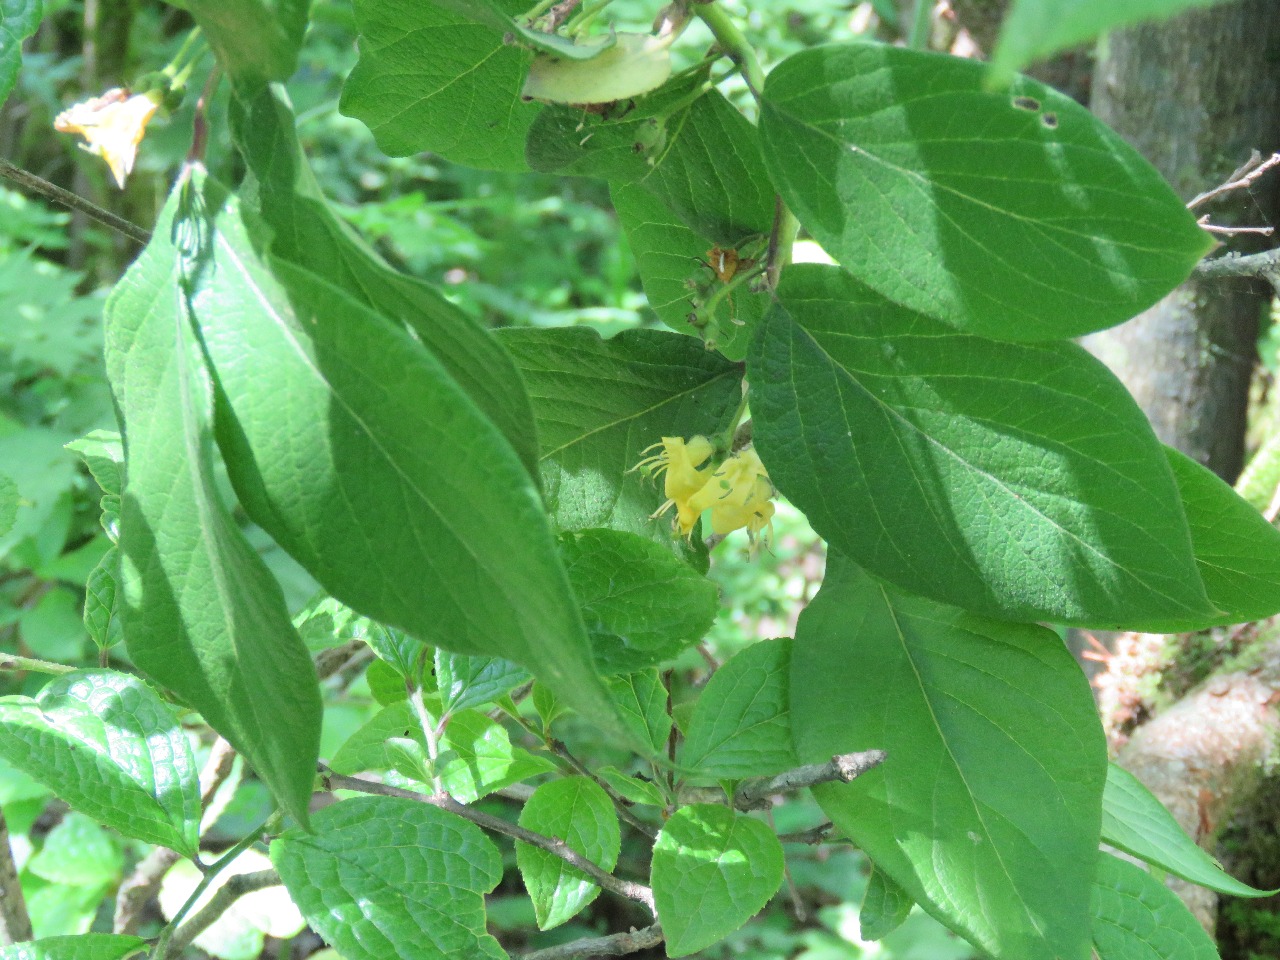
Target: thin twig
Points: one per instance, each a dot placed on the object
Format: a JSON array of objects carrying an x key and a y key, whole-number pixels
[
  {"x": 846, "y": 767},
  {"x": 15, "y": 922},
  {"x": 1264, "y": 266},
  {"x": 623, "y": 888},
  {"x": 615, "y": 945},
  {"x": 11, "y": 661},
  {"x": 1273, "y": 508},
  {"x": 813, "y": 836},
  {"x": 1208, "y": 227},
  {"x": 74, "y": 201},
  {"x": 236, "y": 887},
  {"x": 1245, "y": 176}
]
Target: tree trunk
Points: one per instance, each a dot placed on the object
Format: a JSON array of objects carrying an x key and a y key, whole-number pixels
[{"x": 1195, "y": 95}]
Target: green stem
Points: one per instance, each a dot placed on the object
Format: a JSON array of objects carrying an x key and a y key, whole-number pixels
[
  {"x": 270, "y": 825},
  {"x": 921, "y": 25},
  {"x": 781, "y": 242},
  {"x": 585, "y": 17},
  {"x": 11, "y": 661},
  {"x": 180, "y": 59},
  {"x": 733, "y": 43},
  {"x": 430, "y": 733}
]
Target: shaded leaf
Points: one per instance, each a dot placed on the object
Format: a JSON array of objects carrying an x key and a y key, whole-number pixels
[
  {"x": 599, "y": 403},
  {"x": 201, "y": 613},
  {"x": 422, "y": 68},
  {"x": 667, "y": 257},
  {"x": 713, "y": 870},
  {"x": 1136, "y": 917},
  {"x": 307, "y": 232},
  {"x": 1134, "y": 821},
  {"x": 741, "y": 725},
  {"x": 255, "y": 40},
  {"x": 18, "y": 20},
  {"x": 474, "y": 681},
  {"x": 112, "y": 749},
  {"x": 641, "y": 700},
  {"x": 577, "y": 811},
  {"x": 885, "y": 906},
  {"x": 382, "y": 876},
  {"x": 1016, "y": 214},
  {"x": 101, "y": 609},
  {"x": 633, "y": 789},
  {"x": 1048, "y": 499},
  {"x": 363, "y": 459},
  {"x": 986, "y": 810},
  {"x": 9, "y": 497},
  {"x": 641, "y": 604}
]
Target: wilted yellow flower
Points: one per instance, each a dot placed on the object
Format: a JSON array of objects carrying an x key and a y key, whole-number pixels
[
  {"x": 687, "y": 472},
  {"x": 738, "y": 494},
  {"x": 112, "y": 126}
]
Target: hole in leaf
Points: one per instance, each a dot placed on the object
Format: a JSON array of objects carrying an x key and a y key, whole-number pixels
[
  {"x": 1026, "y": 103},
  {"x": 1050, "y": 120}
]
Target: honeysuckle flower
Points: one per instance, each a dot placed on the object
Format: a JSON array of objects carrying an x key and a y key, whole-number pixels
[
  {"x": 738, "y": 494},
  {"x": 687, "y": 471},
  {"x": 112, "y": 125}
]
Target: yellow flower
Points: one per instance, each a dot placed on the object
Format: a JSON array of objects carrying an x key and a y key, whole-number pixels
[
  {"x": 112, "y": 126},
  {"x": 737, "y": 492},
  {"x": 687, "y": 472},
  {"x": 738, "y": 495}
]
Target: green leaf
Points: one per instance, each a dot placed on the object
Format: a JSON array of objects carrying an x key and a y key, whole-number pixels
[
  {"x": 429, "y": 79},
  {"x": 641, "y": 700},
  {"x": 986, "y": 810},
  {"x": 885, "y": 906},
  {"x": 741, "y": 726},
  {"x": 476, "y": 754},
  {"x": 101, "y": 609},
  {"x": 255, "y": 40},
  {"x": 1136, "y": 917},
  {"x": 18, "y": 20},
  {"x": 633, "y": 789},
  {"x": 9, "y": 498},
  {"x": 382, "y": 877},
  {"x": 1134, "y": 821},
  {"x": 713, "y": 870},
  {"x": 1237, "y": 551},
  {"x": 667, "y": 257},
  {"x": 407, "y": 655},
  {"x": 600, "y": 403},
  {"x": 1016, "y": 214},
  {"x": 59, "y": 909},
  {"x": 201, "y": 613},
  {"x": 78, "y": 852},
  {"x": 1037, "y": 29},
  {"x": 474, "y": 681},
  {"x": 365, "y": 749},
  {"x": 112, "y": 749},
  {"x": 86, "y": 946},
  {"x": 477, "y": 758},
  {"x": 325, "y": 623},
  {"x": 307, "y": 232},
  {"x": 363, "y": 459},
  {"x": 1048, "y": 499},
  {"x": 490, "y": 13},
  {"x": 576, "y": 811},
  {"x": 103, "y": 453},
  {"x": 641, "y": 605}
]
